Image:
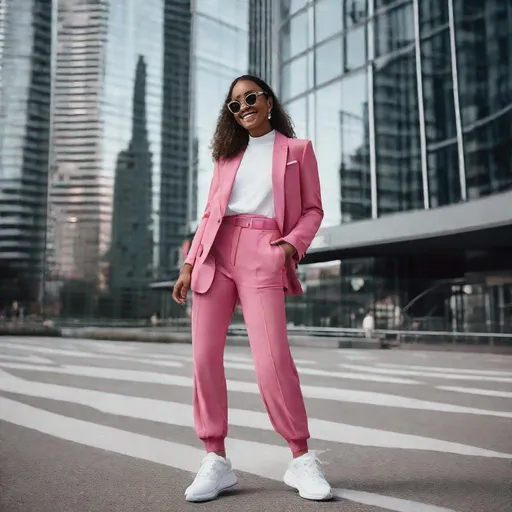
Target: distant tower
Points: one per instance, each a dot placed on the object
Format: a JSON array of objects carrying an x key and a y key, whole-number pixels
[
  {"x": 131, "y": 253},
  {"x": 261, "y": 37}
]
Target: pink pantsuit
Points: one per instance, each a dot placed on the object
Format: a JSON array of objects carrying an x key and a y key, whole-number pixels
[{"x": 234, "y": 261}]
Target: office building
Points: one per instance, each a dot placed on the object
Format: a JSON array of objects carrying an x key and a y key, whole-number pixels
[
  {"x": 262, "y": 43},
  {"x": 120, "y": 182},
  {"x": 409, "y": 107},
  {"x": 25, "y": 91}
]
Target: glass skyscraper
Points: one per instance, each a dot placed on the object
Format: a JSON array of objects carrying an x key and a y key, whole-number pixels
[
  {"x": 409, "y": 106},
  {"x": 25, "y": 92},
  {"x": 119, "y": 183}
]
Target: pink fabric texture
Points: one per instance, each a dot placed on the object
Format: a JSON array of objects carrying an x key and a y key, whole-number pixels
[
  {"x": 298, "y": 208},
  {"x": 250, "y": 270}
]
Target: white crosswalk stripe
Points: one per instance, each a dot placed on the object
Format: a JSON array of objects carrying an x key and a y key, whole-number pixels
[{"x": 39, "y": 364}]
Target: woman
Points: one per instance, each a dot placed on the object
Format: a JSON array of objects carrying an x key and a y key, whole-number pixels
[{"x": 263, "y": 210}]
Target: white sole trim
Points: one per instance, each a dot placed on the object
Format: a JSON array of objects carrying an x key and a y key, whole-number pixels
[
  {"x": 291, "y": 481},
  {"x": 231, "y": 482}
]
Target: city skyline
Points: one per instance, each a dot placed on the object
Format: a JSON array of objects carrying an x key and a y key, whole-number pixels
[{"x": 408, "y": 105}]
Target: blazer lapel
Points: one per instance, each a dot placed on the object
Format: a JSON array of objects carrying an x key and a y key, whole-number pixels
[
  {"x": 278, "y": 171},
  {"x": 227, "y": 179}
]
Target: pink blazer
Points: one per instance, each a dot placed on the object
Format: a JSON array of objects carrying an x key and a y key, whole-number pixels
[{"x": 297, "y": 202}]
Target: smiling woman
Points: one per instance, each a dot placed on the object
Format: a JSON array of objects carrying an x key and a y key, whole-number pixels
[
  {"x": 251, "y": 109},
  {"x": 263, "y": 211}
]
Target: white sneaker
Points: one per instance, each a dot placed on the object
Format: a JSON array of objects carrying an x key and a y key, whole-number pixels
[
  {"x": 304, "y": 475},
  {"x": 216, "y": 475}
]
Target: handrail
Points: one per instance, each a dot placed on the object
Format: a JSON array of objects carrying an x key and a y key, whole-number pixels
[{"x": 337, "y": 331}]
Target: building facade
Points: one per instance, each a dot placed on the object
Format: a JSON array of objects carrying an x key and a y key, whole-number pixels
[
  {"x": 409, "y": 106},
  {"x": 25, "y": 92},
  {"x": 120, "y": 180},
  {"x": 262, "y": 38}
]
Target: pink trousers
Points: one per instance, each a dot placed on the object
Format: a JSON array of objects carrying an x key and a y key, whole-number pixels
[{"x": 249, "y": 270}]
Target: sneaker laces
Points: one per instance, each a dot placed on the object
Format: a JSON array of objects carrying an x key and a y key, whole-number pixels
[
  {"x": 311, "y": 466},
  {"x": 208, "y": 467}
]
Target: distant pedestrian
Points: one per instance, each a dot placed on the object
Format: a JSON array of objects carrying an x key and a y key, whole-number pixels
[
  {"x": 368, "y": 325},
  {"x": 263, "y": 211}
]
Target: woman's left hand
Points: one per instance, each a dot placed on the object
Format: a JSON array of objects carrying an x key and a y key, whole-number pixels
[{"x": 289, "y": 249}]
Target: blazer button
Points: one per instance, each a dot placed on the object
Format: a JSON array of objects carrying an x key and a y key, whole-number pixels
[{"x": 218, "y": 221}]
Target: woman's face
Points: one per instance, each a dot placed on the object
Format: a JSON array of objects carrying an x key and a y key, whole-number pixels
[{"x": 254, "y": 118}]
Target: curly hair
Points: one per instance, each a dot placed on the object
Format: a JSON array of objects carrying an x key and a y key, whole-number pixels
[{"x": 230, "y": 138}]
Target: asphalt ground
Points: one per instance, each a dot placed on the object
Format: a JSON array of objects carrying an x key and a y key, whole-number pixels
[{"x": 107, "y": 426}]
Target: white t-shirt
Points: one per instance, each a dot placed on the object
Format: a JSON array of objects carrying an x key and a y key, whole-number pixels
[{"x": 252, "y": 189}]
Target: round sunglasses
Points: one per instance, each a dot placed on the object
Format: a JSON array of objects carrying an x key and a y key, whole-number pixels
[{"x": 250, "y": 99}]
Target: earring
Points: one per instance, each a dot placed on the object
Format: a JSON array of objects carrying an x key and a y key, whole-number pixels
[{"x": 269, "y": 115}]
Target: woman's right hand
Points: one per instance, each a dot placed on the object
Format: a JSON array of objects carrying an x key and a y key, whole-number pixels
[{"x": 179, "y": 293}]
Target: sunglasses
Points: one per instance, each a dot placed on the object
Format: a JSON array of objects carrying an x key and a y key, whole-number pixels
[{"x": 250, "y": 99}]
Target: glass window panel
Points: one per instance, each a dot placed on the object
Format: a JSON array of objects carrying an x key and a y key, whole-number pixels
[
  {"x": 399, "y": 179},
  {"x": 297, "y": 110},
  {"x": 328, "y": 149},
  {"x": 433, "y": 15},
  {"x": 294, "y": 36},
  {"x": 386, "y": 3},
  {"x": 488, "y": 158},
  {"x": 329, "y": 57},
  {"x": 394, "y": 29},
  {"x": 289, "y": 7},
  {"x": 355, "y": 11},
  {"x": 355, "y": 48},
  {"x": 438, "y": 88},
  {"x": 484, "y": 40},
  {"x": 443, "y": 176},
  {"x": 328, "y": 18},
  {"x": 294, "y": 78},
  {"x": 355, "y": 189}
]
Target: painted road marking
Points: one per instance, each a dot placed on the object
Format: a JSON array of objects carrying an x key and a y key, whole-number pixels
[
  {"x": 316, "y": 392},
  {"x": 339, "y": 375},
  {"x": 175, "y": 413},
  {"x": 494, "y": 373},
  {"x": 258, "y": 459},
  {"x": 475, "y": 391},
  {"x": 417, "y": 373},
  {"x": 91, "y": 355}
]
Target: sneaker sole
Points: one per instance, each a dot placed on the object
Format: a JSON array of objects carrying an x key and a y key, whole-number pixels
[
  {"x": 291, "y": 481},
  {"x": 214, "y": 494}
]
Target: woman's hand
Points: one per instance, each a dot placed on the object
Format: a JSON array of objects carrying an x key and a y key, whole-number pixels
[
  {"x": 179, "y": 293},
  {"x": 288, "y": 249}
]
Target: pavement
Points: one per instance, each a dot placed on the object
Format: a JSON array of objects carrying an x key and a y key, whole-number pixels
[{"x": 107, "y": 426}]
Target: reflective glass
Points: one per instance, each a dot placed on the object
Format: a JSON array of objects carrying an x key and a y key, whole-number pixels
[
  {"x": 438, "y": 88},
  {"x": 355, "y": 149},
  {"x": 484, "y": 41},
  {"x": 328, "y": 149},
  {"x": 342, "y": 145},
  {"x": 399, "y": 179},
  {"x": 433, "y": 15},
  {"x": 355, "y": 12},
  {"x": 294, "y": 36},
  {"x": 289, "y": 7},
  {"x": 444, "y": 180},
  {"x": 355, "y": 43},
  {"x": 488, "y": 157},
  {"x": 394, "y": 29},
  {"x": 297, "y": 110},
  {"x": 294, "y": 78},
  {"x": 329, "y": 60},
  {"x": 328, "y": 18}
]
